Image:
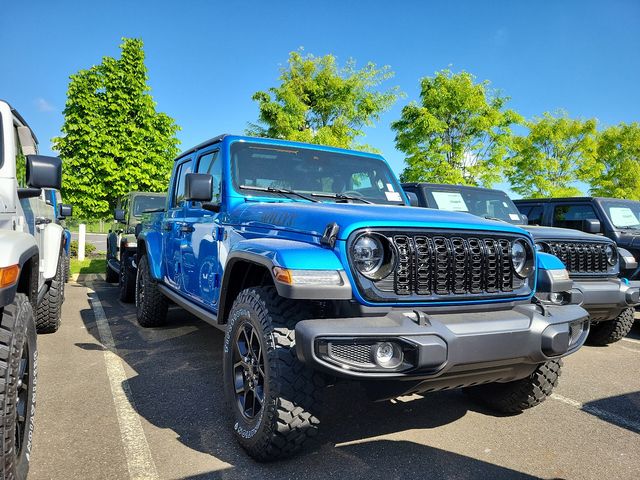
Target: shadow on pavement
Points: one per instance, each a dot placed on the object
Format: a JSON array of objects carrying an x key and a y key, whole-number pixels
[
  {"x": 179, "y": 387},
  {"x": 627, "y": 404}
]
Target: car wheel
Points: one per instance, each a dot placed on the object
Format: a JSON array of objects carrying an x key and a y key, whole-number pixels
[
  {"x": 18, "y": 357},
  {"x": 127, "y": 281},
  {"x": 274, "y": 399},
  {"x": 515, "y": 397},
  {"x": 151, "y": 304},
  {"x": 49, "y": 310},
  {"x": 604, "y": 333}
]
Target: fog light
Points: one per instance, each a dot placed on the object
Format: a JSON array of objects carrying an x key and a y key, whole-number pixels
[
  {"x": 556, "y": 297},
  {"x": 387, "y": 355}
]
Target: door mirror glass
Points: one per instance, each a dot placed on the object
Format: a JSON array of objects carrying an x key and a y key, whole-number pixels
[
  {"x": 413, "y": 199},
  {"x": 198, "y": 187},
  {"x": 118, "y": 215},
  {"x": 44, "y": 172},
  {"x": 65, "y": 211}
]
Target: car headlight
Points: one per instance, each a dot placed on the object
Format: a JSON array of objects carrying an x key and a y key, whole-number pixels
[
  {"x": 521, "y": 258},
  {"x": 610, "y": 252},
  {"x": 373, "y": 256}
]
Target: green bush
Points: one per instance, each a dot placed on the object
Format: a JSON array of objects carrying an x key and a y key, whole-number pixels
[{"x": 89, "y": 248}]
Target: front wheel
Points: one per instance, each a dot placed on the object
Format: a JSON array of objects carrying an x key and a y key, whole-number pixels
[
  {"x": 18, "y": 357},
  {"x": 127, "y": 283},
  {"x": 274, "y": 399},
  {"x": 151, "y": 304},
  {"x": 515, "y": 397},
  {"x": 611, "y": 331}
]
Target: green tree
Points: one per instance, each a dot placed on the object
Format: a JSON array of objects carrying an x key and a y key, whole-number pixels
[
  {"x": 459, "y": 132},
  {"x": 319, "y": 102},
  {"x": 619, "y": 157},
  {"x": 557, "y": 152},
  {"x": 113, "y": 141}
]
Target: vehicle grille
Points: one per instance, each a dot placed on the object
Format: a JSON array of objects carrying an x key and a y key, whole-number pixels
[
  {"x": 433, "y": 266},
  {"x": 357, "y": 354},
  {"x": 581, "y": 257}
]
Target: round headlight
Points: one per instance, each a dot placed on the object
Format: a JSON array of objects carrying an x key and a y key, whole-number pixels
[
  {"x": 610, "y": 252},
  {"x": 372, "y": 256},
  {"x": 521, "y": 258}
]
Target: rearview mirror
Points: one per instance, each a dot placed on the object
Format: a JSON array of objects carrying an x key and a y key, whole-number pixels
[
  {"x": 524, "y": 219},
  {"x": 591, "y": 225},
  {"x": 198, "y": 187},
  {"x": 413, "y": 199},
  {"x": 44, "y": 172},
  {"x": 118, "y": 215},
  {"x": 65, "y": 211}
]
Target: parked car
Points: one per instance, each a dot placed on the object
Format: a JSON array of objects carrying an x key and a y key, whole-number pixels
[
  {"x": 121, "y": 242},
  {"x": 29, "y": 282},
  {"x": 593, "y": 261},
  {"x": 60, "y": 212},
  {"x": 614, "y": 218},
  {"x": 311, "y": 262}
]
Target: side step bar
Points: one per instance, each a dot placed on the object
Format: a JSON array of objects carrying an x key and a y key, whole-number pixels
[{"x": 190, "y": 307}]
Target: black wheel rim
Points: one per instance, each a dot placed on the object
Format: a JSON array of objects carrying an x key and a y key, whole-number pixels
[
  {"x": 22, "y": 388},
  {"x": 248, "y": 371}
]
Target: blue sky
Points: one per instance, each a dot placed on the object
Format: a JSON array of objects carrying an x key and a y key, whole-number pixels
[{"x": 206, "y": 58}]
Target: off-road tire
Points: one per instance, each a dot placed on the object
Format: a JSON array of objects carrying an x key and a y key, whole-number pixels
[
  {"x": 292, "y": 391},
  {"x": 515, "y": 397},
  {"x": 48, "y": 314},
  {"x": 611, "y": 331},
  {"x": 151, "y": 304},
  {"x": 127, "y": 281},
  {"x": 17, "y": 330},
  {"x": 67, "y": 268},
  {"x": 109, "y": 275}
]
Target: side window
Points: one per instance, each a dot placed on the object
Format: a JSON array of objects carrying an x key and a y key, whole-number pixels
[
  {"x": 210, "y": 163},
  {"x": 571, "y": 216},
  {"x": 21, "y": 162},
  {"x": 178, "y": 195},
  {"x": 535, "y": 215}
]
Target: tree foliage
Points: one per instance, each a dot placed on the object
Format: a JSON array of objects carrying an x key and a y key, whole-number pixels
[
  {"x": 319, "y": 102},
  {"x": 113, "y": 140},
  {"x": 619, "y": 159},
  {"x": 459, "y": 132},
  {"x": 556, "y": 153}
]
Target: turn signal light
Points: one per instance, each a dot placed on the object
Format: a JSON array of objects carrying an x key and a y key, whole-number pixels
[{"x": 9, "y": 275}]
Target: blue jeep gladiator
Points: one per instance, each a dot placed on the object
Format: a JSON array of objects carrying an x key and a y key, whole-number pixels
[
  {"x": 312, "y": 263},
  {"x": 593, "y": 261}
]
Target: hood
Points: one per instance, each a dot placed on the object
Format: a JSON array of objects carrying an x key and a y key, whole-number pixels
[
  {"x": 554, "y": 233},
  {"x": 313, "y": 218}
]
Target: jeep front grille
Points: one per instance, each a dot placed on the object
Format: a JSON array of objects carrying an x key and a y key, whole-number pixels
[
  {"x": 581, "y": 257},
  {"x": 437, "y": 266}
]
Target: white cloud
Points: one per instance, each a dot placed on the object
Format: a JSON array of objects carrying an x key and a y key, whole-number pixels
[{"x": 43, "y": 105}]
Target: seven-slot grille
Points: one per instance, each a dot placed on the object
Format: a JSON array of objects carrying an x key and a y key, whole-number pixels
[
  {"x": 440, "y": 266},
  {"x": 581, "y": 257}
]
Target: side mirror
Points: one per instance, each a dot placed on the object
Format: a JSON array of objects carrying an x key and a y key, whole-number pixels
[
  {"x": 413, "y": 199},
  {"x": 591, "y": 225},
  {"x": 524, "y": 219},
  {"x": 198, "y": 187},
  {"x": 44, "y": 172},
  {"x": 138, "y": 229},
  {"x": 118, "y": 215},
  {"x": 65, "y": 211}
]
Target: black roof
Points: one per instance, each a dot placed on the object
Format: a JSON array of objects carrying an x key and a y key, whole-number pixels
[
  {"x": 21, "y": 118},
  {"x": 561, "y": 199},
  {"x": 206, "y": 143},
  {"x": 449, "y": 185}
]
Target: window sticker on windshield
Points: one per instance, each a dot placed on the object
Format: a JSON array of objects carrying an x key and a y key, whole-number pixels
[
  {"x": 390, "y": 187},
  {"x": 623, "y": 217},
  {"x": 514, "y": 216},
  {"x": 451, "y": 201},
  {"x": 393, "y": 196}
]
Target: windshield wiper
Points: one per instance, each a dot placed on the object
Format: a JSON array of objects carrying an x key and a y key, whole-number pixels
[
  {"x": 282, "y": 191},
  {"x": 488, "y": 217},
  {"x": 341, "y": 196}
]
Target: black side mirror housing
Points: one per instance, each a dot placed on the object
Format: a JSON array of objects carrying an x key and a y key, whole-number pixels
[
  {"x": 198, "y": 187},
  {"x": 65, "y": 210},
  {"x": 591, "y": 225},
  {"x": 413, "y": 199},
  {"x": 44, "y": 172},
  {"x": 119, "y": 215}
]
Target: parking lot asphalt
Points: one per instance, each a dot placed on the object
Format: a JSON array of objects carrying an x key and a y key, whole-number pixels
[{"x": 116, "y": 402}]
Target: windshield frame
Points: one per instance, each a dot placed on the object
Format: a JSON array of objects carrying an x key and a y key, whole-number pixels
[
  {"x": 284, "y": 145},
  {"x": 607, "y": 203}
]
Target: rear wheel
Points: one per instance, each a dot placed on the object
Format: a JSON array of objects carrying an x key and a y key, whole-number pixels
[
  {"x": 604, "y": 333},
  {"x": 50, "y": 308},
  {"x": 127, "y": 281},
  {"x": 18, "y": 370},
  {"x": 517, "y": 396},
  {"x": 67, "y": 267},
  {"x": 151, "y": 304},
  {"x": 274, "y": 399},
  {"x": 110, "y": 275}
]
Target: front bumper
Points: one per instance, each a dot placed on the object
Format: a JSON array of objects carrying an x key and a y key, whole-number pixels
[
  {"x": 444, "y": 350},
  {"x": 606, "y": 299}
]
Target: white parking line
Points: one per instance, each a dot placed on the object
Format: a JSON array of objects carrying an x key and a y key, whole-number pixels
[
  {"x": 139, "y": 460},
  {"x": 598, "y": 412}
]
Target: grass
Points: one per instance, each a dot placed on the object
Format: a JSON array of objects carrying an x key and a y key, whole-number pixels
[{"x": 88, "y": 265}]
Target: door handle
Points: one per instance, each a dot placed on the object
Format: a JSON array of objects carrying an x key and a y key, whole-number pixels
[{"x": 187, "y": 229}]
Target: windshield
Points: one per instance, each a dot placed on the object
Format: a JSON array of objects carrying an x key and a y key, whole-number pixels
[
  {"x": 623, "y": 213},
  {"x": 483, "y": 203},
  {"x": 143, "y": 203},
  {"x": 309, "y": 171}
]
